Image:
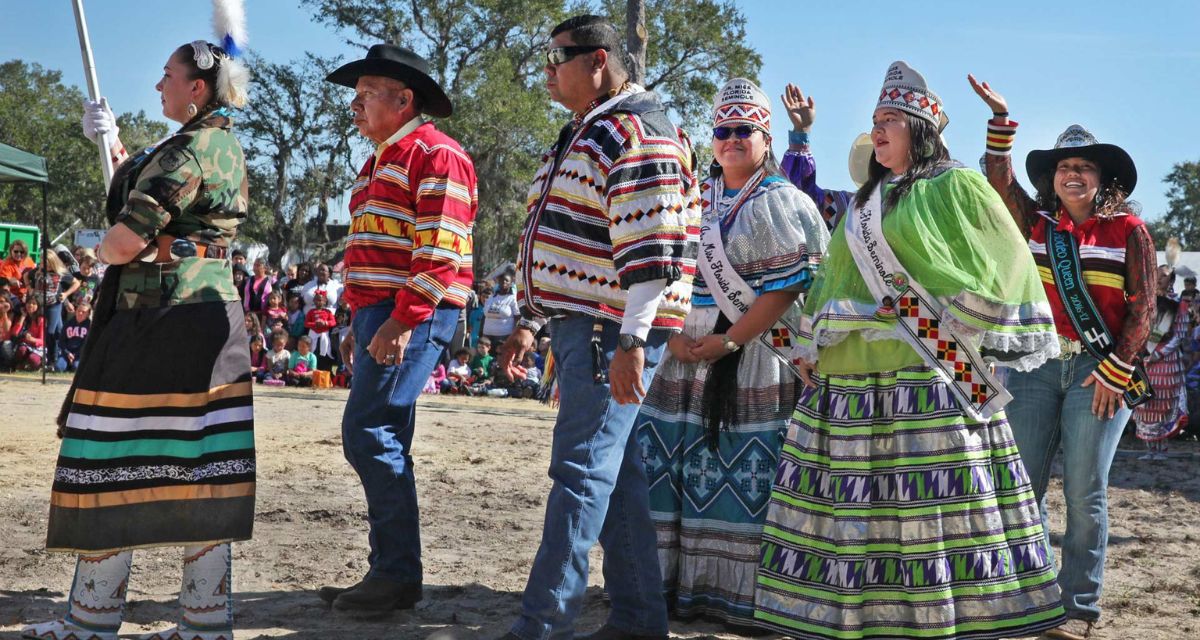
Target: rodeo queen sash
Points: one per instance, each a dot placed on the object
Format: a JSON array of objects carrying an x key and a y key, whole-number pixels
[
  {"x": 1088, "y": 323},
  {"x": 917, "y": 316},
  {"x": 731, "y": 293}
]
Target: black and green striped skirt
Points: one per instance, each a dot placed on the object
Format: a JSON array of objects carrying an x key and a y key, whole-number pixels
[{"x": 158, "y": 441}]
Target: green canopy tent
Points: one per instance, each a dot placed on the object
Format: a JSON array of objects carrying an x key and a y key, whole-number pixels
[{"x": 22, "y": 166}]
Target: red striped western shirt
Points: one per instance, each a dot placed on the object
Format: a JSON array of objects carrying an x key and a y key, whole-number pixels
[{"x": 412, "y": 210}]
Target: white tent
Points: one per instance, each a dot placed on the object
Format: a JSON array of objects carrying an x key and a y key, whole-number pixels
[{"x": 1188, "y": 265}]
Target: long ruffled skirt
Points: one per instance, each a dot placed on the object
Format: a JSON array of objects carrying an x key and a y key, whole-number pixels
[{"x": 894, "y": 516}]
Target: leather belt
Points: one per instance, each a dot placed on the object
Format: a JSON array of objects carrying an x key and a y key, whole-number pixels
[{"x": 170, "y": 248}]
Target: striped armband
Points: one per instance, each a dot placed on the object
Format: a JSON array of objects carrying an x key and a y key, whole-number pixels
[
  {"x": 1000, "y": 138},
  {"x": 1113, "y": 373}
]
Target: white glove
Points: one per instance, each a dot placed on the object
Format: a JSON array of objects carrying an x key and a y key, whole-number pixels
[{"x": 98, "y": 119}]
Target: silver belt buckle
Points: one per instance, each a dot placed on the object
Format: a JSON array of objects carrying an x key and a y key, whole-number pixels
[{"x": 1068, "y": 348}]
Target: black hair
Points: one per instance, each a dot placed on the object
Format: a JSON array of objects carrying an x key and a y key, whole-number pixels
[
  {"x": 1111, "y": 198},
  {"x": 925, "y": 153},
  {"x": 461, "y": 351},
  {"x": 187, "y": 55},
  {"x": 596, "y": 31},
  {"x": 238, "y": 252}
]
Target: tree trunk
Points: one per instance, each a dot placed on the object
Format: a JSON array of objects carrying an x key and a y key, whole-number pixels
[{"x": 635, "y": 36}]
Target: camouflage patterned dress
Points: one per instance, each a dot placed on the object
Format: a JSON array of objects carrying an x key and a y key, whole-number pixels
[{"x": 158, "y": 429}]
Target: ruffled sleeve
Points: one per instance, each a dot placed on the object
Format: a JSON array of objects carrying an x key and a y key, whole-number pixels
[
  {"x": 953, "y": 235},
  {"x": 798, "y": 238}
]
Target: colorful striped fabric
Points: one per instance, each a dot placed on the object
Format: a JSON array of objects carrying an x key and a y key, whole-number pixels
[
  {"x": 412, "y": 211},
  {"x": 154, "y": 455},
  {"x": 1158, "y": 419},
  {"x": 892, "y": 516},
  {"x": 623, "y": 207}
]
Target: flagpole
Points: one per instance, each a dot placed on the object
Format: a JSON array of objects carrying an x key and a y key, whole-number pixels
[{"x": 89, "y": 72}]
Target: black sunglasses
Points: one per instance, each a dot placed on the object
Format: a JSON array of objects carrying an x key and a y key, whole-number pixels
[
  {"x": 559, "y": 55},
  {"x": 741, "y": 131}
]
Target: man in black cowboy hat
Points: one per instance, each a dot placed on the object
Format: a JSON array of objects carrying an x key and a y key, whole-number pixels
[{"x": 408, "y": 275}]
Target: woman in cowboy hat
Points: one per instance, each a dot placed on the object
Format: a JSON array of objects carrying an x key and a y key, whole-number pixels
[
  {"x": 900, "y": 508},
  {"x": 1076, "y": 400}
]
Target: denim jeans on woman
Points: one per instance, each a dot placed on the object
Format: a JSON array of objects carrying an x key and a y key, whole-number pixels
[
  {"x": 1049, "y": 409},
  {"x": 600, "y": 493},
  {"x": 377, "y": 434}
]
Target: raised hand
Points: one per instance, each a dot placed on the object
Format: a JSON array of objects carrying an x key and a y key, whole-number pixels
[
  {"x": 995, "y": 101},
  {"x": 801, "y": 111}
]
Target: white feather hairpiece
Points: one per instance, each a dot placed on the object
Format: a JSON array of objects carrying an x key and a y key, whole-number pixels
[
  {"x": 229, "y": 26},
  {"x": 1172, "y": 252}
]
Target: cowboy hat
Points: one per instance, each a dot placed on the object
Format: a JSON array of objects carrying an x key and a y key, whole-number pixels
[
  {"x": 1077, "y": 142},
  {"x": 398, "y": 63}
]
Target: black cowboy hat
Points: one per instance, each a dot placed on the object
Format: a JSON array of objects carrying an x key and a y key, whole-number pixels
[
  {"x": 391, "y": 61},
  {"x": 1077, "y": 142}
]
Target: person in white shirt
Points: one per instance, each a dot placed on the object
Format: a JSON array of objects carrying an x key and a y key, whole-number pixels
[
  {"x": 322, "y": 282},
  {"x": 502, "y": 312}
]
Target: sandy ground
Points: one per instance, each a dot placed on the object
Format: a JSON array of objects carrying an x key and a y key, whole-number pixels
[{"x": 481, "y": 473}]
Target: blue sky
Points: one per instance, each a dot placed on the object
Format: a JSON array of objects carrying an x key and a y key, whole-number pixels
[{"x": 1128, "y": 71}]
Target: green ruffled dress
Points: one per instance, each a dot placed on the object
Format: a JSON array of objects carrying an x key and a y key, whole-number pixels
[{"x": 893, "y": 514}]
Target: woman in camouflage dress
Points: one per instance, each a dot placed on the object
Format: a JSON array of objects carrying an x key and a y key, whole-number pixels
[{"x": 157, "y": 429}]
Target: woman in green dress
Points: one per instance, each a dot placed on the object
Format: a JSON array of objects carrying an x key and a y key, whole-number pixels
[{"x": 900, "y": 508}]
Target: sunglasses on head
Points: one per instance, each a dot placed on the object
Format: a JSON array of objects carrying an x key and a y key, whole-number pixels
[
  {"x": 558, "y": 55},
  {"x": 742, "y": 132}
]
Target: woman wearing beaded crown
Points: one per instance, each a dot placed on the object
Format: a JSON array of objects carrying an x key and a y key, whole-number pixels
[
  {"x": 713, "y": 420},
  {"x": 900, "y": 508},
  {"x": 158, "y": 442},
  {"x": 1079, "y": 400}
]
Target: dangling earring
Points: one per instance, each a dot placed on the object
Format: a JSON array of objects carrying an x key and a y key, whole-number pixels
[
  {"x": 927, "y": 149},
  {"x": 192, "y": 110}
]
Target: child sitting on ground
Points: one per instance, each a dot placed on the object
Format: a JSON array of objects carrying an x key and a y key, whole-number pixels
[
  {"x": 260, "y": 364},
  {"x": 302, "y": 364},
  {"x": 531, "y": 385},
  {"x": 31, "y": 344},
  {"x": 434, "y": 383},
  {"x": 458, "y": 375},
  {"x": 481, "y": 364},
  {"x": 74, "y": 335},
  {"x": 279, "y": 359}
]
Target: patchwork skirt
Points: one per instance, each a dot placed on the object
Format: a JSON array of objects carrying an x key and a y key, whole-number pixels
[
  {"x": 709, "y": 506},
  {"x": 893, "y": 515},
  {"x": 158, "y": 442},
  {"x": 1159, "y": 418}
]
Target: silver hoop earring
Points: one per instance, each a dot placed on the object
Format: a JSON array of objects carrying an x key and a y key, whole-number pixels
[
  {"x": 927, "y": 149},
  {"x": 192, "y": 110}
]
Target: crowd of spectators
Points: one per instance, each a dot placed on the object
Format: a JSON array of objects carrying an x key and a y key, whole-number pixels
[{"x": 295, "y": 320}]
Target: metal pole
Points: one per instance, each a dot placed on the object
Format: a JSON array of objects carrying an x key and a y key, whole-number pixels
[
  {"x": 89, "y": 72},
  {"x": 45, "y": 248}
]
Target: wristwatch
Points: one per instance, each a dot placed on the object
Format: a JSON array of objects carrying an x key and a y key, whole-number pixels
[
  {"x": 629, "y": 342},
  {"x": 729, "y": 344}
]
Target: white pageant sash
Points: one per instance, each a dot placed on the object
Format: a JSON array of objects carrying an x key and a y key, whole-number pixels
[
  {"x": 731, "y": 292},
  {"x": 917, "y": 315}
]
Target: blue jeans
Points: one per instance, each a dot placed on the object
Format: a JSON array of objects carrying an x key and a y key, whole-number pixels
[
  {"x": 1050, "y": 408},
  {"x": 377, "y": 433},
  {"x": 599, "y": 493},
  {"x": 53, "y": 330}
]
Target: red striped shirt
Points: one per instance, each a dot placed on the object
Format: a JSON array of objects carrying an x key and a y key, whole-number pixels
[{"x": 412, "y": 212}]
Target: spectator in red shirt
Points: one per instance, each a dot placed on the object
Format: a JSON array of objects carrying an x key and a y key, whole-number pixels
[{"x": 319, "y": 320}]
